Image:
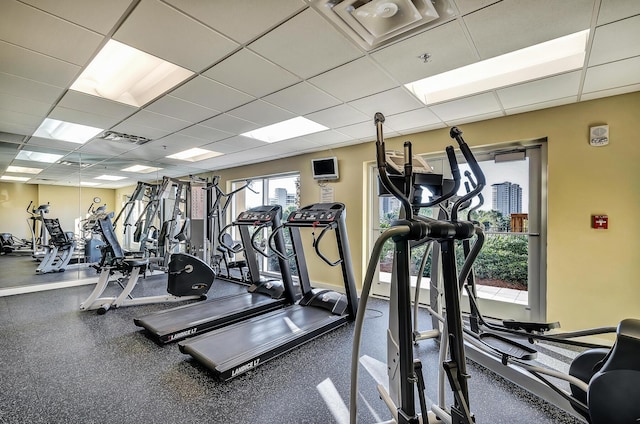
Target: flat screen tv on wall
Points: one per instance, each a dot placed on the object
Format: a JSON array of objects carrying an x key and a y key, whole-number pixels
[{"x": 325, "y": 168}]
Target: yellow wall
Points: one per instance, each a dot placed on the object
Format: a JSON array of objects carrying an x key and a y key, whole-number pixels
[
  {"x": 591, "y": 274},
  {"x": 67, "y": 204}
]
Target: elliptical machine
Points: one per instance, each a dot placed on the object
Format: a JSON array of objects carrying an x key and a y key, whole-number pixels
[{"x": 405, "y": 373}]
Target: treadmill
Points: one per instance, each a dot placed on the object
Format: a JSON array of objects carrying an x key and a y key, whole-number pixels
[
  {"x": 262, "y": 296},
  {"x": 233, "y": 350}
]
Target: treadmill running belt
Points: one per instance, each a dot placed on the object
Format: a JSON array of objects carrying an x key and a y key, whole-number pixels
[
  {"x": 188, "y": 320},
  {"x": 233, "y": 350}
]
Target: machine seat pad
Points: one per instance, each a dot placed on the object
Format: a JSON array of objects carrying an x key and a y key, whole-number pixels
[
  {"x": 530, "y": 327},
  {"x": 135, "y": 263}
]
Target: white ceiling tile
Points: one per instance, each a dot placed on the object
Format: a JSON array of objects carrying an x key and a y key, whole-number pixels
[
  {"x": 528, "y": 23},
  {"x": 611, "y": 92},
  {"x": 29, "y": 89},
  {"x": 541, "y": 105},
  {"x": 302, "y": 99},
  {"x": 230, "y": 124},
  {"x": 250, "y": 73},
  {"x": 206, "y": 133},
  {"x": 615, "y": 41},
  {"x": 51, "y": 144},
  {"x": 211, "y": 94},
  {"x": 179, "y": 142},
  {"x": 9, "y": 102},
  {"x": 97, "y": 15},
  {"x": 129, "y": 127},
  {"x": 326, "y": 138},
  {"x": 338, "y": 116},
  {"x": 81, "y": 117},
  {"x": 296, "y": 46},
  {"x": 612, "y": 75},
  {"x": 468, "y": 6},
  {"x": 98, "y": 105},
  {"x": 36, "y": 30},
  {"x": 539, "y": 91},
  {"x": 354, "y": 80},
  {"x": 469, "y": 106},
  {"x": 474, "y": 118},
  {"x": 106, "y": 147},
  {"x": 613, "y": 10},
  {"x": 156, "y": 120},
  {"x": 363, "y": 130},
  {"x": 388, "y": 102},
  {"x": 261, "y": 113},
  {"x": 160, "y": 30},
  {"x": 413, "y": 120},
  {"x": 35, "y": 66},
  {"x": 19, "y": 123},
  {"x": 225, "y": 15},
  {"x": 234, "y": 144},
  {"x": 447, "y": 46},
  {"x": 181, "y": 109}
]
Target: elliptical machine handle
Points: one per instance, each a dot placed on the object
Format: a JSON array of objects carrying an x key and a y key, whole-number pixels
[
  {"x": 468, "y": 155},
  {"x": 455, "y": 174}
]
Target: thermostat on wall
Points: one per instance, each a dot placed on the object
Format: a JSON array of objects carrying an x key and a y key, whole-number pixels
[{"x": 599, "y": 136}]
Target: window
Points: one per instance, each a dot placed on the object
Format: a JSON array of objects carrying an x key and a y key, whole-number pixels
[
  {"x": 283, "y": 190},
  {"x": 510, "y": 269}
]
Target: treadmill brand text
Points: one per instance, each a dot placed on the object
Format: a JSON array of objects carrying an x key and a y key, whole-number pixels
[
  {"x": 246, "y": 367},
  {"x": 183, "y": 334}
]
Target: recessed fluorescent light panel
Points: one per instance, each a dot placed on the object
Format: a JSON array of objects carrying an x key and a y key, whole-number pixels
[
  {"x": 66, "y": 131},
  {"x": 110, "y": 178},
  {"x": 142, "y": 169},
  {"x": 88, "y": 183},
  {"x": 194, "y": 155},
  {"x": 127, "y": 75},
  {"x": 285, "y": 130},
  {"x": 12, "y": 178},
  {"x": 37, "y": 156},
  {"x": 541, "y": 60},
  {"x": 23, "y": 170}
]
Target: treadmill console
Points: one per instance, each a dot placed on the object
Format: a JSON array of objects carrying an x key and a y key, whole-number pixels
[
  {"x": 320, "y": 213},
  {"x": 259, "y": 215}
]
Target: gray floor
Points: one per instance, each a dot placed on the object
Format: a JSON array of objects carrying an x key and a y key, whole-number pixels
[{"x": 60, "y": 365}]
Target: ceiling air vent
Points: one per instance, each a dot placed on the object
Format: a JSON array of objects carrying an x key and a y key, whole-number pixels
[
  {"x": 376, "y": 22},
  {"x": 124, "y": 138}
]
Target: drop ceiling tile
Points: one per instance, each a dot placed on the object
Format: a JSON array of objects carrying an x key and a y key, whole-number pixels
[
  {"x": 544, "y": 90},
  {"x": 467, "y": 107},
  {"x": 211, "y": 94},
  {"x": 7, "y": 124},
  {"x": 25, "y": 120},
  {"x": 413, "y": 121},
  {"x": 234, "y": 144},
  {"x": 179, "y": 142},
  {"x": 224, "y": 15},
  {"x": 35, "y": 66},
  {"x": 354, "y": 80},
  {"x": 230, "y": 124},
  {"x": 613, "y": 10},
  {"x": 83, "y": 118},
  {"x": 29, "y": 89},
  {"x": 129, "y": 127},
  {"x": 447, "y": 46},
  {"x": 11, "y": 138},
  {"x": 261, "y": 113},
  {"x": 302, "y": 99},
  {"x": 361, "y": 131},
  {"x": 338, "y": 116},
  {"x": 612, "y": 75},
  {"x": 252, "y": 74},
  {"x": 97, "y": 105},
  {"x": 541, "y": 105},
  {"x": 155, "y": 120},
  {"x": 296, "y": 46},
  {"x": 36, "y": 30},
  {"x": 9, "y": 102},
  {"x": 528, "y": 23},
  {"x": 51, "y": 144},
  {"x": 388, "y": 102},
  {"x": 205, "y": 133},
  {"x": 160, "y": 30},
  {"x": 475, "y": 118},
  {"x": 611, "y": 92},
  {"x": 615, "y": 41},
  {"x": 106, "y": 147},
  {"x": 181, "y": 109},
  {"x": 97, "y": 15},
  {"x": 329, "y": 137},
  {"x": 468, "y": 6}
]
